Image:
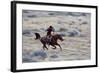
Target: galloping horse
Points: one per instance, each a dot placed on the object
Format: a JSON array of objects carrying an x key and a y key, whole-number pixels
[{"x": 53, "y": 40}]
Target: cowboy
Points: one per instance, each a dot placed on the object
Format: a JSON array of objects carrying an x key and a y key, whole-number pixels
[{"x": 49, "y": 35}]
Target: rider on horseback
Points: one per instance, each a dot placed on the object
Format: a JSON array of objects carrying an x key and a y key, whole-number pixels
[{"x": 49, "y": 35}]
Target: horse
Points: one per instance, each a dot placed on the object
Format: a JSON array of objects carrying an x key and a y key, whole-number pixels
[{"x": 53, "y": 40}]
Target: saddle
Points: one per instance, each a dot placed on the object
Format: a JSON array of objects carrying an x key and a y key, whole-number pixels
[{"x": 49, "y": 39}]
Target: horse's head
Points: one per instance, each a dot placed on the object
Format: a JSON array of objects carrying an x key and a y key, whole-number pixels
[{"x": 59, "y": 37}]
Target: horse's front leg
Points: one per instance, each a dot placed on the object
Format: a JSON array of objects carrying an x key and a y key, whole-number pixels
[{"x": 59, "y": 46}]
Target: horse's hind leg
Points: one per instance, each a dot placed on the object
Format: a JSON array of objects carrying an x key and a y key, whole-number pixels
[
  {"x": 53, "y": 46},
  {"x": 59, "y": 46},
  {"x": 44, "y": 46}
]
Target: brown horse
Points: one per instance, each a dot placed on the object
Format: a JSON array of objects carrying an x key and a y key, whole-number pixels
[{"x": 53, "y": 40}]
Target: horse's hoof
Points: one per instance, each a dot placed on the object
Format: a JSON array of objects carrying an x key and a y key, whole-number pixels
[{"x": 53, "y": 48}]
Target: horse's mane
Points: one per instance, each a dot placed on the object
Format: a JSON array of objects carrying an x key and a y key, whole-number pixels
[{"x": 56, "y": 35}]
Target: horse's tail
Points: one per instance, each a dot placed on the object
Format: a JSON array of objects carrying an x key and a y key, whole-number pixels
[{"x": 37, "y": 36}]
